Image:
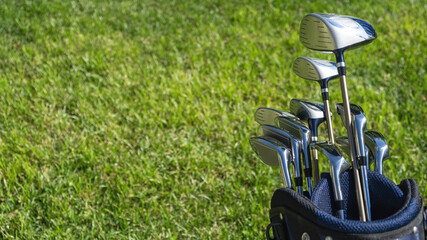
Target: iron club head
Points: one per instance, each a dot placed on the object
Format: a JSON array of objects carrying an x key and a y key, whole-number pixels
[
  {"x": 301, "y": 132},
  {"x": 274, "y": 153},
  {"x": 337, "y": 165},
  {"x": 359, "y": 125},
  {"x": 379, "y": 148},
  {"x": 291, "y": 143}
]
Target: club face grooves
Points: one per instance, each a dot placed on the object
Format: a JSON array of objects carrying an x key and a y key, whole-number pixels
[
  {"x": 315, "y": 69},
  {"x": 266, "y": 116},
  {"x": 331, "y": 32}
]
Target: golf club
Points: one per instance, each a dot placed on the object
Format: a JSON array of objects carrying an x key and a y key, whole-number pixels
[
  {"x": 337, "y": 33},
  {"x": 379, "y": 148},
  {"x": 321, "y": 71},
  {"x": 359, "y": 126},
  {"x": 291, "y": 143},
  {"x": 312, "y": 112},
  {"x": 301, "y": 132},
  {"x": 265, "y": 115},
  {"x": 337, "y": 165},
  {"x": 274, "y": 153}
]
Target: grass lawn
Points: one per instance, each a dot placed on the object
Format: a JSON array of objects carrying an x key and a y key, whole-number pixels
[{"x": 125, "y": 120}]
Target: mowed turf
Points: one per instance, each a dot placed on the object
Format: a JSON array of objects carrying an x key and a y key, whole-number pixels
[{"x": 125, "y": 120}]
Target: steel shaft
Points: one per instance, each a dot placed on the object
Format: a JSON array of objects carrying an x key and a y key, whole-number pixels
[
  {"x": 329, "y": 122},
  {"x": 357, "y": 183},
  {"x": 316, "y": 173}
]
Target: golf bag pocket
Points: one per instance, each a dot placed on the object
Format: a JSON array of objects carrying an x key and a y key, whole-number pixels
[{"x": 396, "y": 210}]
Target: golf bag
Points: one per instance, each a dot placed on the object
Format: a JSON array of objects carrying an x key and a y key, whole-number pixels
[{"x": 397, "y": 211}]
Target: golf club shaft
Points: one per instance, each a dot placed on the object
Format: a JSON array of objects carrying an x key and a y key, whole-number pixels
[
  {"x": 315, "y": 166},
  {"x": 364, "y": 172},
  {"x": 329, "y": 121},
  {"x": 359, "y": 193}
]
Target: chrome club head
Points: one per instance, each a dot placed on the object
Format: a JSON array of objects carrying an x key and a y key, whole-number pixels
[
  {"x": 291, "y": 143},
  {"x": 315, "y": 69},
  {"x": 312, "y": 112},
  {"x": 265, "y": 115},
  {"x": 309, "y": 111},
  {"x": 274, "y": 153},
  {"x": 343, "y": 143},
  {"x": 301, "y": 132},
  {"x": 337, "y": 165},
  {"x": 379, "y": 148},
  {"x": 359, "y": 125},
  {"x": 331, "y": 32}
]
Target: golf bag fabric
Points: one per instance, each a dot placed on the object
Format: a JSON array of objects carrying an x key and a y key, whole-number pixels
[{"x": 397, "y": 211}]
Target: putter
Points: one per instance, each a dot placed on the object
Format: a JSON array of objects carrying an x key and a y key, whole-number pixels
[
  {"x": 274, "y": 153},
  {"x": 379, "y": 148},
  {"x": 291, "y": 143},
  {"x": 266, "y": 116},
  {"x": 359, "y": 126},
  {"x": 320, "y": 71},
  {"x": 337, "y": 33},
  {"x": 312, "y": 112},
  {"x": 302, "y": 133},
  {"x": 337, "y": 165}
]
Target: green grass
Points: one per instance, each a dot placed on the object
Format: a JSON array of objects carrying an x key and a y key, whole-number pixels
[{"x": 131, "y": 120}]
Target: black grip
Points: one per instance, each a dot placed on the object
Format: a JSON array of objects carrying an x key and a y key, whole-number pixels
[
  {"x": 339, "y": 204},
  {"x": 298, "y": 181},
  {"x": 325, "y": 96},
  {"x": 341, "y": 71},
  {"x": 362, "y": 161},
  {"x": 308, "y": 172}
]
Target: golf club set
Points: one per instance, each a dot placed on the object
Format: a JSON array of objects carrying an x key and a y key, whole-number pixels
[{"x": 350, "y": 201}]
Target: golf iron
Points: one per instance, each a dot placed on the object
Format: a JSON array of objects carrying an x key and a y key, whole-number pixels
[
  {"x": 291, "y": 143},
  {"x": 301, "y": 132},
  {"x": 337, "y": 165},
  {"x": 312, "y": 112},
  {"x": 274, "y": 153},
  {"x": 379, "y": 148},
  {"x": 359, "y": 126}
]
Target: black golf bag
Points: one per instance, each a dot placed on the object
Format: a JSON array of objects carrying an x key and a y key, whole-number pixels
[{"x": 397, "y": 212}]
